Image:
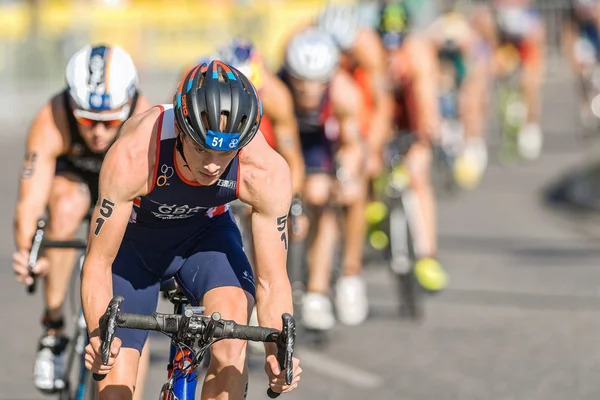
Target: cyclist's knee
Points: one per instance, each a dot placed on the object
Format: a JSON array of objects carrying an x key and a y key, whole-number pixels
[
  {"x": 116, "y": 392},
  {"x": 317, "y": 190},
  {"x": 120, "y": 382},
  {"x": 67, "y": 206},
  {"x": 228, "y": 352}
]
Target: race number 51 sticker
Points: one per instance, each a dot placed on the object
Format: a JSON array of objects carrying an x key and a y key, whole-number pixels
[{"x": 222, "y": 140}]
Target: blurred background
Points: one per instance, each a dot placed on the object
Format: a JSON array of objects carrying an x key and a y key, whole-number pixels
[{"x": 520, "y": 319}]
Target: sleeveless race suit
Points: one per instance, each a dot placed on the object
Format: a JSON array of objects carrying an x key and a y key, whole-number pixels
[
  {"x": 181, "y": 229},
  {"x": 79, "y": 159},
  {"x": 318, "y": 133}
]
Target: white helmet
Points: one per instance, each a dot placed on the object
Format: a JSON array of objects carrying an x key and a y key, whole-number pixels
[
  {"x": 341, "y": 21},
  {"x": 312, "y": 55},
  {"x": 101, "y": 77}
]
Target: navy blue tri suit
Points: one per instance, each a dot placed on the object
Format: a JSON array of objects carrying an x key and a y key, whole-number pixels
[
  {"x": 181, "y": 229},
  {"x": 318, "y": 132}
]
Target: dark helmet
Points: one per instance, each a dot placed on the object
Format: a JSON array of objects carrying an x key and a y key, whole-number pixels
[
  {"x": 394, "y": 24},
  {"x": 208, "y": 92}
]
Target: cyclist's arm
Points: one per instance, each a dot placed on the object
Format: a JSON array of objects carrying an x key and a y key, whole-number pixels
[
  {"x": 266, "y": 186},
  {"x": 132, "y": 152},
  {"x": 485, "y": 24},
  {"x": 567, "y": 34},
  {"x": 143, "y": 104},
  {"x": 424, "y": 71},
  {"x": 346, "y": 102},
  {"x": 44, "y": 145},
  {"x": 371, "y": 55},
  {"x": 279, "y": 107}
]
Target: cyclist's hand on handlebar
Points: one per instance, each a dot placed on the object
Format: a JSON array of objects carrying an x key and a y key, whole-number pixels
[
  {"x": 277, "y": 377},
  {"x": 20, "y": 262},
  {"x": 93, "y": 355}
]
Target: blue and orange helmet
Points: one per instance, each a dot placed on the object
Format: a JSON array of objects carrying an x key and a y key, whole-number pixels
[{"x": 205, "y": 95}]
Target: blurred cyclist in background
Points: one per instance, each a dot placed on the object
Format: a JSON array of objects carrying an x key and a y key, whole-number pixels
[
  {"x": 581, "y": 46},
  {"x": 463, "y": 67},
  {"x": 278, "y": 124},
  {"x": 513, "y": 24},
  {"x": 65, "y": 148},
  {"x": 363, "y": 58},
  {"x": 412, "y": 75},
  {"x": 327, "y": 106}
]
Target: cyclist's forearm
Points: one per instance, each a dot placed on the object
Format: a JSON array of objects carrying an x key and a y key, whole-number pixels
[
  {"x": 273, "y": 299},
  {"x": 380, "y": 123},
  {"x": 297, "y": 170},
  {"x": 96, "y": 293},
  {"x": 26, "y": 216},
  {"x": 350, "y": 157}
]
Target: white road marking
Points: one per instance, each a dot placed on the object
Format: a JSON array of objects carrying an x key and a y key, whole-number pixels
[{"x": 338, "y": 370}]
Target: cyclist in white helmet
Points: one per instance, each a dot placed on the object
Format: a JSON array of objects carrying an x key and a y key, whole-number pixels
[
  {"x": 327, "y": 105},
  {"x": 65, "y": 148},
  {"x": 363, "y": 57}
]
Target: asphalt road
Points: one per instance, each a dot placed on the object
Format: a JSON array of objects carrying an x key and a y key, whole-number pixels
[{"x": 520, "y": 319}]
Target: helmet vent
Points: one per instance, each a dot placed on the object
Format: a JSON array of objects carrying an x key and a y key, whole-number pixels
[{"x": 242, "y": 123}]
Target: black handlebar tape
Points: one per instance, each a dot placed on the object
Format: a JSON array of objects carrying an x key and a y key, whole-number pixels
[
  {"x": 98, "y": 377},
  {"x": 231, "y": 330},
  {"x": 154, "y": 322},
  {"x": 65, "y": 244},
  {"x": 32, "y": 286}
]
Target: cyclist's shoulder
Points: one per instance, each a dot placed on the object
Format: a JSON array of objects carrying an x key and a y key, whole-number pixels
[
  {"x": 50, "y": 121},
  {"x": 275, "y": 96},
  {"x": 137, "y": 135},
  {"x": 151, "y": 116},
  {"x": 143, "y": 104},
  {"x": 368, "y": 50},
  {"x": 263, "y": 171},
  {"x": 134, "y": 152},
  {"x": 344, "y": 93}
]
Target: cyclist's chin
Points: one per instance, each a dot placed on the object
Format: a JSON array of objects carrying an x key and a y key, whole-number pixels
[
  {"x": 98, "y": 146},
  {"x": 205, "y": 178}
]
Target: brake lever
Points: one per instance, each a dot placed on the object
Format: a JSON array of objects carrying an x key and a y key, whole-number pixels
[
  {"x": 34, "y": 253},
  {"x": 108, "y": 327},
  {"x": 285, "y": 351}
]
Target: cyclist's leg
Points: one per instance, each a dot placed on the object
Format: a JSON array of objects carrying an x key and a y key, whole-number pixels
[
  {"x": 473, "y": 103},
  {"x": 317, "y": 309},
  {"x": 427, "y": 269},
  {"x": 69, "y": 202},
  {"x": 144, "y": 365},
  {"x": 351, "y": 292},
  {"x": 217, "y": 274},
  {"x": 530, "y": 138},
  {"x": 140, "y": 288}
]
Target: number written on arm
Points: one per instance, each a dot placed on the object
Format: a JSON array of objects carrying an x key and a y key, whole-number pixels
[
  {"x": 282, "y": 227},
  {"x": 106, "y": 210}
]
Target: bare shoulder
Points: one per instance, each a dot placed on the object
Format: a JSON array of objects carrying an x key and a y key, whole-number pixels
[
  {"x": 49, "y": 128},
  {"x": 369, "y": 50},
  {"x": 345, "y": 93},
  {"x": 143, "y": 104},
  {"x": 276, "y": 97},
  {"x": 134, "y": 152},
  {"x": 264, "y": 175}
]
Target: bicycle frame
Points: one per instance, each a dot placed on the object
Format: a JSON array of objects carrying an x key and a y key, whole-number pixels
[
  {"x": 183, "y": 386},
  {"x": 182, "y": 376}
]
